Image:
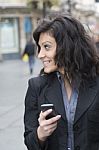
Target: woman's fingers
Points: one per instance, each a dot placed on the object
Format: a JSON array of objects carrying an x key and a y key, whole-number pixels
[
  {"x": 44, "y": 114},
  {"x": 50, "y": 121},
  {"x": 46, "y": 127},
  {"x": 50, "y": 127},
  {"x": 53, "y": 119},
  {"x": 44, "y": 122}
]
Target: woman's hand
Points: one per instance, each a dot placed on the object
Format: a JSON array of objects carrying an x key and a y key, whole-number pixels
[{"x": 46, "y": 127}]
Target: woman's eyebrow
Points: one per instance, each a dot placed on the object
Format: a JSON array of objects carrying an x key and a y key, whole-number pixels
[{"x": 46, "y": 42}]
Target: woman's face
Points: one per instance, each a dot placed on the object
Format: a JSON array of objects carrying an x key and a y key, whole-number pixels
[{"x": 47, "y": 52}]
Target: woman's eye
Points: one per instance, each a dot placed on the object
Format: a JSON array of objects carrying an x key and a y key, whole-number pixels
[{"x": 47, "y": 46}]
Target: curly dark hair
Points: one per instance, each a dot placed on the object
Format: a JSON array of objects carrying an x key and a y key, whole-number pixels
[{"x": 76, "y": 51}]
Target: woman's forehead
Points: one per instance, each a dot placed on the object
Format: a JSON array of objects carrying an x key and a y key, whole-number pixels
[{"x": 45, "y": 36}]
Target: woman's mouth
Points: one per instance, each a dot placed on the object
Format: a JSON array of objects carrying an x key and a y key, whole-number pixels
[{"x": 46, "y": 63}]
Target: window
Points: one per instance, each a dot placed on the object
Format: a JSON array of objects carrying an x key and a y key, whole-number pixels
[{"x": 97, "y": 0}]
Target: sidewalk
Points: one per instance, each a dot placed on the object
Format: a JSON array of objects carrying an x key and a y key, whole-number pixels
[{"x": 14, "y": 77}]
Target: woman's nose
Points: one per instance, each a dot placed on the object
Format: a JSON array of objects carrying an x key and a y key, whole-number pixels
[{"x": 41, "y": 53}]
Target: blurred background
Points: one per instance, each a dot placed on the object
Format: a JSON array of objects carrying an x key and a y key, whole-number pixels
[{"x": 18, "y": 19}]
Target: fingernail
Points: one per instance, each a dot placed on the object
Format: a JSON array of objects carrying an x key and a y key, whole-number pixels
[
  {"x": 49, "y": 110},
  {"x": 59, "y": 116}
]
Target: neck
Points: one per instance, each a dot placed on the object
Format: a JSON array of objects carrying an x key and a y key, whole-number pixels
[{"x": 65, "y": 77}]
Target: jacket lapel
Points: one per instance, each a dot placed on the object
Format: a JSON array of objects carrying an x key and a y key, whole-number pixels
[
  {"x": 86, "y": 96},
  {"x": 53, "y": 95}
]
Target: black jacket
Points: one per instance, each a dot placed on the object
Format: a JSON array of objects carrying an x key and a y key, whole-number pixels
[{"x": 47, "y": 89}]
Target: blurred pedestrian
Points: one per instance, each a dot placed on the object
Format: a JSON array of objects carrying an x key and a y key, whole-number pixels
[
  {"x": 70, "y": 81},
  {"x": 30, "y": 51}
]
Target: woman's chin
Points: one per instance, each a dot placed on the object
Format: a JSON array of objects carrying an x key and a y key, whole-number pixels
[{"x": 48, "y": 70}]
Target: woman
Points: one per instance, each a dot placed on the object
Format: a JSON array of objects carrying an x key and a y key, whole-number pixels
[{"x": 70, "y": 81}]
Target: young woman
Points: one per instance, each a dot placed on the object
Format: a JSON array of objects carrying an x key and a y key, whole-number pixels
[{"x": 70, "y": 81}]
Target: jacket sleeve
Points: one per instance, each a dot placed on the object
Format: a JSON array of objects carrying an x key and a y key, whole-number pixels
[{"x": 31, "y": 118}]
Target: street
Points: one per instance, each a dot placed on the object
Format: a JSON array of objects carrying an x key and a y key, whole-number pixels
[{"x": 14, "y": 75}]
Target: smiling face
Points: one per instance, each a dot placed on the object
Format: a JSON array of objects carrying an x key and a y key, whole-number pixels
[{"x": 47, "y": 52}]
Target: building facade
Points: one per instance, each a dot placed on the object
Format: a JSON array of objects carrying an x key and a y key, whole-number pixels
[
  {"x": 17, "y": 21},
  {"x": 87, "y": 11},
  {"x": 18, "y": 18}
]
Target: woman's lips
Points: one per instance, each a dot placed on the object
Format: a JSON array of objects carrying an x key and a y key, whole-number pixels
[{"x": 46, "y": 63}]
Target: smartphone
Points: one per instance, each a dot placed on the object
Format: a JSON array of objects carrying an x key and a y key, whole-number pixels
[{"x": 45, "y": 107}]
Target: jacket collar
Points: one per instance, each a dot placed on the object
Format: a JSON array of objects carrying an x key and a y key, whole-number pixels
[
  {"x": 87, "y": 93},
  {"x": 53, "y": 94},
  {"x": 86, "y": 96}
]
